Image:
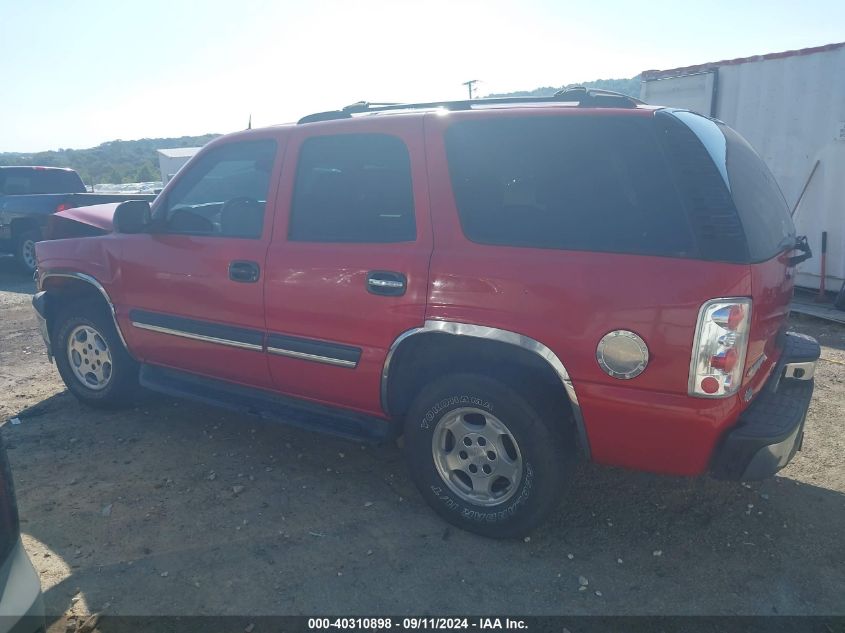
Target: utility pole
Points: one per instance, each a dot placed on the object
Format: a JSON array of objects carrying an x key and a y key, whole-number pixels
[{"x": 470, "y": 86}]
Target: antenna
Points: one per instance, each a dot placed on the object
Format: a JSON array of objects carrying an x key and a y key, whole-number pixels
[
  {"x": 470, "y": 86},
  {"x": 249, "y": 125}
]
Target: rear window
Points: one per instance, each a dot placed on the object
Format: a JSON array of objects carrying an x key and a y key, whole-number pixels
[
  {"x": 759, "y": 201},
  {"x": 23, "y": 181},
  {"x": 737, "y": 209},
  {"x": 575, "y": 182}
]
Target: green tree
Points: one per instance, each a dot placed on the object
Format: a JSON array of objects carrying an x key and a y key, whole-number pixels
[
  {"x": 630, "y": 87},
  {"x": 145, "y": 174},
  {"x": 114, "y": 161}
]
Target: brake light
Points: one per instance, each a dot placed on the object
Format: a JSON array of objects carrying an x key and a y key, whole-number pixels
[
  {"x": 62, "y": 206},
  {"x": 725, "y": 361},
  {"x": 718, "y": 354},
  {"x": 9, "y": 527}
]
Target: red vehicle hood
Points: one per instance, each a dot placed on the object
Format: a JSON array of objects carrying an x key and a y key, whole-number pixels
[{"x": 98, "y": 215}]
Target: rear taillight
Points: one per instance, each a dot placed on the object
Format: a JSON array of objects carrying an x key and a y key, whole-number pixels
[
  {"x": 9, "y": 528},
  {"x": 62, "y": 206},
  {"x": 718, "y": 353}
]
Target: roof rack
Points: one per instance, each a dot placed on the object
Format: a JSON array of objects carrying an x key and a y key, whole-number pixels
[{"x": 585, "y": 97}]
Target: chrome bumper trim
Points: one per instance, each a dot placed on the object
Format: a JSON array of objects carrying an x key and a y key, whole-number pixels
[{"x": 800, "y": 371}]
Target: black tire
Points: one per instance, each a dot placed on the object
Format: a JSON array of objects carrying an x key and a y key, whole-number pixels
[
  {"x": 121, "y": 387},
  {"x": 545, "y": 448},
  {"x": 25, "y": 249}
]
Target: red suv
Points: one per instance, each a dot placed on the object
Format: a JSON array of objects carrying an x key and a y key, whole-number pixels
[{"x": 510, "y": 284}]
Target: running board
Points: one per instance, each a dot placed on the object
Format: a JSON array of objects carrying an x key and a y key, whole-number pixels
[{"x": 293, "y": 412}]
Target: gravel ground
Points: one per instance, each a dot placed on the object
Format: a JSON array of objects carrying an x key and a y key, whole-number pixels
[{"x": 176, "y": 508}]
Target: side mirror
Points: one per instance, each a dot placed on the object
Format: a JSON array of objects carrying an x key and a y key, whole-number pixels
[{"x": 132, "y": 216}]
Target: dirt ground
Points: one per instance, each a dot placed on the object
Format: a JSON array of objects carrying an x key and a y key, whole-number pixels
[{"x": 177, "y": 508}]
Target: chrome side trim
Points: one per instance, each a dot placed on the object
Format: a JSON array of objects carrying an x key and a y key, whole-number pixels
[
  {"x": 385, "y": 370},
  {"x": 502, "y": 336},
  {"x": 89, "y": 279},
  {"x": 513, "y": 338},
  {"x": 314, "y": 357},
  {"x": 196, "y": 337}
]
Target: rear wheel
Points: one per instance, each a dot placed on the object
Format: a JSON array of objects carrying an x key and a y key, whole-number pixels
[
  {"x": 25, "y": 249},
  {"x": 91, "y": 358},
  {"x": 485, "y": 457}
]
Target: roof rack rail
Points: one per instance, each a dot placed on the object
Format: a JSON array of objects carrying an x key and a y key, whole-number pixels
[
  {"x": 586, "y": 97},
  {"x": 597, "y": 97}
]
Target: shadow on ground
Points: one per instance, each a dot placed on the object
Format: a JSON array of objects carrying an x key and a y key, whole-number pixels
[
  {"x": 13, "y": 279},
  {"x": 175, "y": 508},
  {"x": 828, "y": 333}
]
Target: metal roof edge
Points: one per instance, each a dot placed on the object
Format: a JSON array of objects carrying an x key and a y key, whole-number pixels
[{"x": 650, "y": 75}]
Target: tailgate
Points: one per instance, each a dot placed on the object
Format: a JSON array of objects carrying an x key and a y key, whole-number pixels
[{"x": 771, "y": 288}]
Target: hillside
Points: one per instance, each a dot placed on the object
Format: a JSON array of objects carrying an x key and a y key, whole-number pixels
[
  {"x": 113, "y": 162},
  {"x": 136, "y": 161},
  {"x": 630, "y": 87}
]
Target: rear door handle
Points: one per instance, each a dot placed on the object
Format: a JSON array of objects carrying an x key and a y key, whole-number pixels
[
  {"x": 386, "y": 283},
  {"x": 244, "y": 271}
]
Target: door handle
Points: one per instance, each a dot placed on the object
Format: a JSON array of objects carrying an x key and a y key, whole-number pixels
[
  {"x": 386, "y": 283},
  {"x": 244, "y": 271}
]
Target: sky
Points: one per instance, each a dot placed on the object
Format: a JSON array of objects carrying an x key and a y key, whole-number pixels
[{"x": 76, "y": 74}]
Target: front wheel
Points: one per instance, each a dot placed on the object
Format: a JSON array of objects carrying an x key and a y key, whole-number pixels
[
  {"x": 91, "y": 358},
  {"x": 486, "y": 458},
  {"x": 25, "y": 249}
]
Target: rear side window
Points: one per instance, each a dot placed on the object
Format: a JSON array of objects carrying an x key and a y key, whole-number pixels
[
  {"x": 26, "y": 181},
  {"x": 574, "y": 182},
  {"x": 353, "y": 188},
  {"x": 759, "y": 201}
]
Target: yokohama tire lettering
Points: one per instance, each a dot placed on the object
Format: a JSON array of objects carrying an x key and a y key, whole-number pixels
[
  {"x": 489, "y": 517},
  {"x": 430, "y": 415}
]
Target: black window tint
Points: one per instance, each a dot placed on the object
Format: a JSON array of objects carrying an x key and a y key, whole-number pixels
[
  {"x": 353, "y": 188},
  {"x": 575, "y": 182},
  {"x": 698, "y": 174},
  {"x": 223, "y": 193},
  {"x": 762, "y": 208},
  {"x": 26, "y": 180}
]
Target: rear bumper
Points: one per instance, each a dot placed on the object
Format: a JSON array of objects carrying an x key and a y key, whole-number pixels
[
  {"x": 21, "y": 605},
  {"x": 770, "y": 431}
]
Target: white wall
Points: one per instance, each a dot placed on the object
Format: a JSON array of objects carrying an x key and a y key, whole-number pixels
[
  {"x": 690, "y": 92},
  {"x": 169, "y": 165}
]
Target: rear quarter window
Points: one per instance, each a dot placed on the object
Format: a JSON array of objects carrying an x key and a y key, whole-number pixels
[{"x": 574, "y": 182}]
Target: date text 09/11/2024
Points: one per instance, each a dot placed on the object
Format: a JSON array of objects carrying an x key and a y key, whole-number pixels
[{"x": 411, "y": 623}]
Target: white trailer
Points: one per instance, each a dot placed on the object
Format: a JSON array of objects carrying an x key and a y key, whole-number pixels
[
  {"x": 171, "y": 160},
  {"x": 791, "y": 108}
]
